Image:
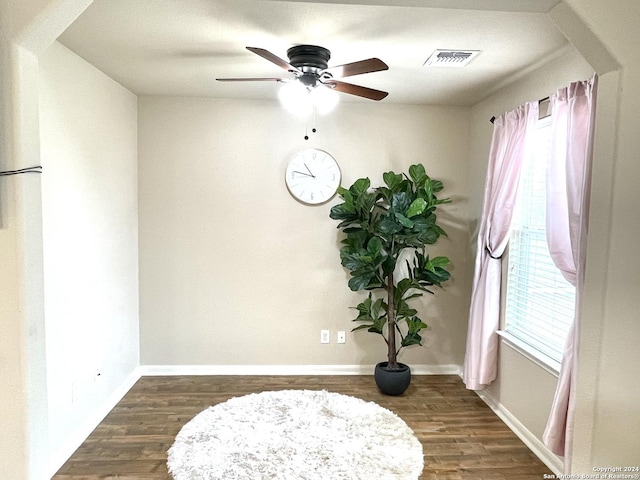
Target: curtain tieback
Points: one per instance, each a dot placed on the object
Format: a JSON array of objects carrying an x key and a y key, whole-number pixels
[{"x": 491, "y": 254}]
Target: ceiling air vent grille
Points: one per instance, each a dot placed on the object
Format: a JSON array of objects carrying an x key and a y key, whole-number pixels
[{"x": 450, "y": 58}]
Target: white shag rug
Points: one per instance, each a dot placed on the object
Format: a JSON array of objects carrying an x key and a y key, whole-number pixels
[{"x": 296, "y": 435}]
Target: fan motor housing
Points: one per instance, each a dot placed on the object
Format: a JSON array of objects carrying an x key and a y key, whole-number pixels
[{"x": 301, "y": 56}]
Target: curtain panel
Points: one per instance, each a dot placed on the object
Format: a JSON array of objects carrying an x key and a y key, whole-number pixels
[
  {"x": 568, "y": 194},
  {"x": 512, "y": 131}
]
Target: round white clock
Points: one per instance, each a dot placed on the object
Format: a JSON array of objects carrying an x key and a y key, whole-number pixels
[{"x": 313, "y": 176}]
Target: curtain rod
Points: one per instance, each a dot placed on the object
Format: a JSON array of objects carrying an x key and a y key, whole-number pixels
[{"x": 542, "y": 100}]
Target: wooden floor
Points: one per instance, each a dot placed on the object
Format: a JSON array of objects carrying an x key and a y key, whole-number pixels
[{"x": 461, "y": 437}]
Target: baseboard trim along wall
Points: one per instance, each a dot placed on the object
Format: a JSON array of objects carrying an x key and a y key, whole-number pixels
[
  {"x": 159, "y": 370},
  {"x": 529, "y": 439},
  {"x": 58, "y": 457}
]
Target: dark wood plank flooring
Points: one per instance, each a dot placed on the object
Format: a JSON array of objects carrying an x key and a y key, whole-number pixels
[{"x": 462, "y": 438}]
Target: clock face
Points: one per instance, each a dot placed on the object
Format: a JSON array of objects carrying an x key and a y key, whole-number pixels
[{"x": 313, "y": 176}]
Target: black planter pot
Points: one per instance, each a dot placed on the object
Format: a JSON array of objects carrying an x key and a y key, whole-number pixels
[{"x": 392, "y": 382}]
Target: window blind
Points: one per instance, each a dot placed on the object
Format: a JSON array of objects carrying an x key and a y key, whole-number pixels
[{"x": 540, "y": 303}]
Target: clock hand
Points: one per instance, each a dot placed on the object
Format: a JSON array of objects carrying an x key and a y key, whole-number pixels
[
  {"x": 302, "y": 173},
  {"x": 311, "y": 174}
]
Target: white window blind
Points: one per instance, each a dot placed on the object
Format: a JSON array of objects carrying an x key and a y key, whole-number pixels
[{"x": 540, "y": 303}]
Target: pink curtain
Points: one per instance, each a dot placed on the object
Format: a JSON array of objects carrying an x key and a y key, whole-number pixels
[
  {"x": 511, "y": 132},
  {"x": 568, "y": 192}
]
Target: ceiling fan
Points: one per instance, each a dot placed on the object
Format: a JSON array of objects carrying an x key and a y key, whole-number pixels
[{"x": 309, "y": 65}]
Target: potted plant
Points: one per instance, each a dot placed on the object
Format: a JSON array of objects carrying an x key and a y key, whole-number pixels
[{"x": 381, "y": 227}]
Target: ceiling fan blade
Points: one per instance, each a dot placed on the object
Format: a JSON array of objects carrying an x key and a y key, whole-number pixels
[
  {"x": 357, "y": 68},
  {"x": 352, "y": 89},
  {"x": 267, "y": 55},
  {"x": 249, "y": 79}
]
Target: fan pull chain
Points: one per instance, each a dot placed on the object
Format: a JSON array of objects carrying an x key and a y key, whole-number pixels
[{"x": 306, "y": 128}]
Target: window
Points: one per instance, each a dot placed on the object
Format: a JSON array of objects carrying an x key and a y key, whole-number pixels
[{"x": 540, "y": 303}]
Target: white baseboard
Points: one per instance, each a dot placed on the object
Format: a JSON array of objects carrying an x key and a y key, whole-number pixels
[
  {"x": 160, "y": 370},
  {"x": 551, "y": 460},
  {"x": 64, "y": 452}
]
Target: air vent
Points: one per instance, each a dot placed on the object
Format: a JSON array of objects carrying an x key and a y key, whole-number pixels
[{"x": 450, "y": 58}]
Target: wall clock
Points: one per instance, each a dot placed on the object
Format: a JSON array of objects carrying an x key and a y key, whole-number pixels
[{"x": 313, "y": 176}]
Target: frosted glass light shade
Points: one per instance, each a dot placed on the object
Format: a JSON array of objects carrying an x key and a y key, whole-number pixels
[
  {"x": 300, "y": 100},
  {"x": 295, "y": 97},
  {"x": 325, "y": 99}
]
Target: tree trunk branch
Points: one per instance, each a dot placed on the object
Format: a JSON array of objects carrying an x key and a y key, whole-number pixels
[{"x": 391, "y": 325}]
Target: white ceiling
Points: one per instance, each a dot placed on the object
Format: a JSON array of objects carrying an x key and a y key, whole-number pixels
[{"x": 179, "y": 47}]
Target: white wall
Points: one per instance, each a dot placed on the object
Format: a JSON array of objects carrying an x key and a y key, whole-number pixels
[
  {"x": 608, "y": 412},
  {"x": 233, "y": 271},
  {"x": 88, "y": 131},
  {"x": 523, "y": 390}
]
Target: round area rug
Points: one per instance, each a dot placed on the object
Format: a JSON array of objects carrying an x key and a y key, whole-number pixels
[{"x": 296, "y": 435}]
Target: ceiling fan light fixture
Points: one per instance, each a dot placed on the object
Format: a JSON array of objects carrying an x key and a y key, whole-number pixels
[
  {"x": 301, "y": 100},
  {"x": 295, "y": 98},
  {"x": 309, "y": 65},
  {"x": 325, "y": 99}
]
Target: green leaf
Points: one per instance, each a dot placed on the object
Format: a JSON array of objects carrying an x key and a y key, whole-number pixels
[
  {"x": 439, "y": 230},
  {"x": 360, "y": 282},
  {"x": 411, "y": 339},
  {"x": 378, "y": 325},
  {"x": 343, "y": 211},
  {"x": 373, "y": 314},
  {"x": 404, "y": 310},
  {"x": 389, "y": 265},
  {"x": 415, "y": 324},
  {"x": 413, "y": 295},
  {"x": 355, "y": 238},
  {"x": 427, "y": 191},
  {"x": 374, "y": 247},
  {"x": 364, "y": 203},
  {"x": 403, "y": 286},
  {"x": 392, "y": 180},
  {"x": 360, "y": 327},
  {"x": 426, "y": 232},
  {"x": 436, "y": 186},
  {"x": 364, "y": 307},
  {"x": 352, "y": 259},
  {"x": 418, "y": 174},
  {"x": 360, "y": 186},
  {"x": 438, "y": 262},
  {"x": 388, "y": 225},
  {"x": 417, "y": 207},
  {"x": 400, "y": 202},
  {"x": 404, "y": 221},
  {"x": 431, "y": 271}
]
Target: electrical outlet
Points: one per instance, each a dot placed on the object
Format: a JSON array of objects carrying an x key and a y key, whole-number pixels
[
  {"x": 325, "y": 336},
  {"x": 342, "y": 336}
]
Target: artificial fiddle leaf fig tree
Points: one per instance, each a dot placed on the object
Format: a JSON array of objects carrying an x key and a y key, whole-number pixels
[{"x": 379, "y": 224}]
